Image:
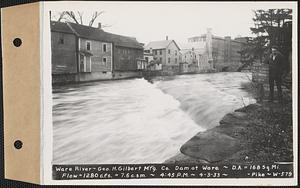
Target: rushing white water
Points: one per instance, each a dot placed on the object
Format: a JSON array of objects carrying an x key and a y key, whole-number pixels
[
  {"x": 208, "y": 97},
  {"x": 133, "y": 121}
]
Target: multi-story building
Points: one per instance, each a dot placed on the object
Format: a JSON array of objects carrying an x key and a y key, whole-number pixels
[
  {"x": 152, "y": 65},
  {"x": 95, "y": 53},
  {"x": 167, "y": 53},
  {"x": 148, "y": 56},
  {"x": 64, "y": 50},
  {"x": 193, "y": 56},
  {"x": 222, "y": 54},
  {"x": 83, "y": 53}
]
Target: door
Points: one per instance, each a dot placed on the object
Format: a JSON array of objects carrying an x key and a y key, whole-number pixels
[
  {"x": 82, "y": 63},
  {"x": 88, "y": 64}
]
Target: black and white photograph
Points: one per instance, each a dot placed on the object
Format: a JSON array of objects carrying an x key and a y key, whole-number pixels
[{"x": 179, "y": 86}]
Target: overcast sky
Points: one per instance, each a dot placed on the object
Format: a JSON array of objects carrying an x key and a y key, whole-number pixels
[{"x": 150, "y": 21}]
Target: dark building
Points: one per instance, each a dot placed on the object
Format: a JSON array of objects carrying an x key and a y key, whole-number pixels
[
  {"x": 83, "y": 53},
  {"x": 63, "y": 43},
  {"x": 127, "y": 52},
  {"x": 226, "y": 53}
]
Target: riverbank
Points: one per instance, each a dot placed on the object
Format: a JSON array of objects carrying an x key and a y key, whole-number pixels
[{"x": 260, "y": 132}]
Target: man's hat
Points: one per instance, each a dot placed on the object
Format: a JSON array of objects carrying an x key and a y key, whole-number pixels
[{"x": 275, "y": 47}]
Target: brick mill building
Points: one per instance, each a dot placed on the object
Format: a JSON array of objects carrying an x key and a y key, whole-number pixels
[{"x": 223, "y": 54}]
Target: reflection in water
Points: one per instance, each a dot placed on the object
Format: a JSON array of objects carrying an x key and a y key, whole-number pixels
[{"x": 133, "y": 121}]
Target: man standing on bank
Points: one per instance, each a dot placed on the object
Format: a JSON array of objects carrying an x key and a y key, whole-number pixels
[{"x": 277, "y": 70}]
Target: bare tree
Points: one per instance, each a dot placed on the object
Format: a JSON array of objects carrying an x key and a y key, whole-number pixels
[
  {"x": 94, "y": 17},
  {"x": 61, "y": 16},
  {"x": 77, "y": 17}
]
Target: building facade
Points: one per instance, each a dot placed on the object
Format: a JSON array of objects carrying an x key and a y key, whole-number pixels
[
  {"x": 82, "y": 53},
  {"x": 222, "y": 54},
  {"x": 195, "y": 58},
  {"x": 148, "y": 56},
  {"x": 151, "y": 64},
  {"x": 95, "y": 56},
  {"x": 63, "y": 42},
  {"x": 167, "y": 53},
  {"x": 126, "y": 58}
]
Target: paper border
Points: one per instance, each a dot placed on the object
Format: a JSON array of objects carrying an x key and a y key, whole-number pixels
[{"x": 47, "y": 140}]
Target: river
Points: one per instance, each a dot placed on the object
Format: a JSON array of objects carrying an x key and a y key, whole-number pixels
[{"x": 134, "y": 121}]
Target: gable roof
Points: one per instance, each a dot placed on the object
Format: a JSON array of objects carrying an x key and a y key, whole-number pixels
[
  {"x": 160, "y": 44},
  {"x": 98, "y": 34},
  {"x": 60, "y": 27},
  {"x": 92, "y": 33}
]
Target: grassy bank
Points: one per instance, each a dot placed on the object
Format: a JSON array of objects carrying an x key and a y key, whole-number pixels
[{"x": 269, "y": 134}]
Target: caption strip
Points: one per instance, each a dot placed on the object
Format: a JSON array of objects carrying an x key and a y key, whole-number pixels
[{"x": 142, "y": 171}]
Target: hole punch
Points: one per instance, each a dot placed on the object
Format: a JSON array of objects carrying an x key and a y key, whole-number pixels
[
  {"x": 17, "y": 42},
  {"x": 18, "y": 144}
]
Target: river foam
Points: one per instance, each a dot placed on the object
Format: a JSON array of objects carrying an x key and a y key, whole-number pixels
[
  {"x": 128, "y": 121},
  {"x": 206, "y": 98},
  {"x": 133, "y": 121}
]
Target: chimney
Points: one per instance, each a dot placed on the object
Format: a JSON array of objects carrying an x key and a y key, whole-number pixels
[
  {"x": 167, "y": 38},
  {"x": 99, "y": 25}
]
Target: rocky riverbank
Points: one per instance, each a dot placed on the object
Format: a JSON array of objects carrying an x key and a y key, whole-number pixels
[{"x": 252, "y": 134}]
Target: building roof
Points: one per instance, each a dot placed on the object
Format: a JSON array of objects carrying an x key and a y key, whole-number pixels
[
  {"x": 191, "y": 45},
  {"x": 204, "y": 36},
  {"x": 238, "y": 39},
  {"x": 160, "y": 44},
  {"x": 60, "y": 27},
  {"x": 196, "y": 51},
  {"x": 92, "y": 33}
]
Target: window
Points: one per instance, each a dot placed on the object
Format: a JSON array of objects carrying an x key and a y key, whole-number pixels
[
  {"x": 88, "y": 45},
  {"x": 104, "y": 48},
  {"x": 160, "y": 59},
  {"x": 169, "y": 60},
  {"x": 155, "y": 52},
  {"x": 160, "y": 52},
  {"x": 175, "y": 60},
  {"x": 61, "y": 39},
  {"x": 147, "y": 59},
  {"x": 104, "y": 61},
  {"x": 169, "y": 51},
  {"x": 175, "y": 52}
]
